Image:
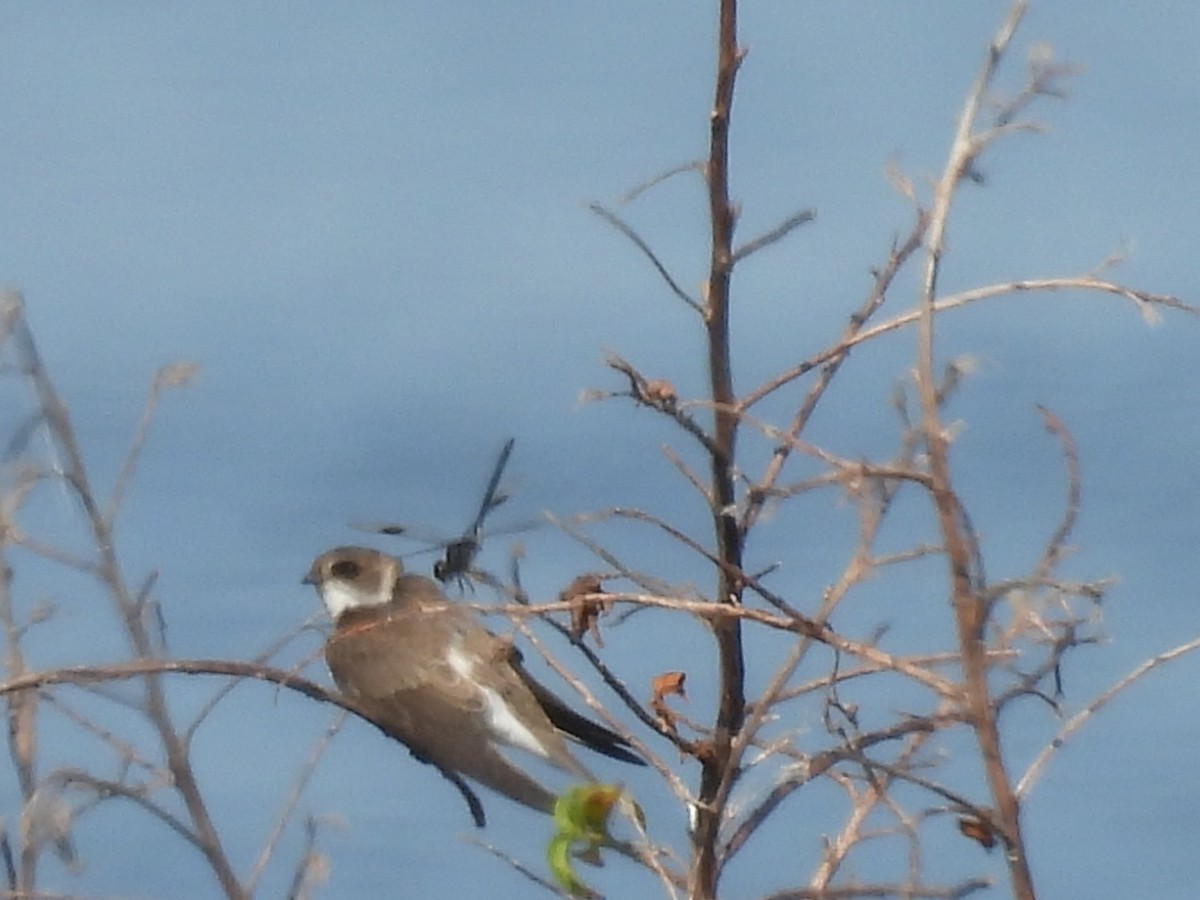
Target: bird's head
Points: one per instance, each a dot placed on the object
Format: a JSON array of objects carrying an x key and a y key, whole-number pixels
[{"x": 353, "y": 577}]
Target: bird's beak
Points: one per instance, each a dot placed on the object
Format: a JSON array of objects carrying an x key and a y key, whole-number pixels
[{"x": 310, "y": 578}]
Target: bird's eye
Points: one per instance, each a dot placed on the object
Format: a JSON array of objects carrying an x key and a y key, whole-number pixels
[{"x": 345, "y": 569}]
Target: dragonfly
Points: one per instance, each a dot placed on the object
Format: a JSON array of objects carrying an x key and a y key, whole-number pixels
[{"x": 458, "y": 554}]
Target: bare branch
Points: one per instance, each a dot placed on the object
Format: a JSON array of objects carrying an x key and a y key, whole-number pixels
[
  {"x": 140, "y": 668},
  {"x": 694, "y": 165},
  {"x": 856, "y": 890},
  {"x": 832, "y": 361},
  {"x": 1055, "y": 546},
  {"x": 166, "y": 377},
  {"x": 138, "y": 794},
  {"x": 618, "y": 223},
  {"x": 292, "y": 801},
  {"x": 261, "y": 659},
  {"x": 961, "y": 550},
  {"x": 1072, "y": 725},
  {"x": 778, "y": 233},
  {"x": 642, "y": 390},
  {"x": 517, "y": 866},
  {"x": 311, "y": 867}
]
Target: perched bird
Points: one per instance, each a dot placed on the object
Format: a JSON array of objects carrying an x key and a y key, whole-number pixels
[{"x": 429, "y": 674}]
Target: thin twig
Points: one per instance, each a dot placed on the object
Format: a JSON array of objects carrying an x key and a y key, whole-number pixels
[
  {"x": 261, "y": 659},
  {"x": 138, "y": 794},
  {"x": 778, "y": 233},
  {"x": 310, "y": 867},
  {"x": 1058, "y": 540},
  {"x": 694, "y": 165},
  {"x": 856, "y": 890},
  {"x": 166, "y": 377},
  {"x": 1077, "y": 721},
  {"x": 517, "y": 865},
  {"x": 618, "y": 223},
  {"x": 292, "y": 801},
  {"x": 108, "y": 573}
]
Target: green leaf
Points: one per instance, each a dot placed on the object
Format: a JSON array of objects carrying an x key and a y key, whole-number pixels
[{"x": 581, "y": 816}]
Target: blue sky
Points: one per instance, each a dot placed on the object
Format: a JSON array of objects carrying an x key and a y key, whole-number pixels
[{"x": 367, "y": 223}]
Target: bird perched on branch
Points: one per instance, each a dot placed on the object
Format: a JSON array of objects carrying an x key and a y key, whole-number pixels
[{"x": 427, "y": 673}]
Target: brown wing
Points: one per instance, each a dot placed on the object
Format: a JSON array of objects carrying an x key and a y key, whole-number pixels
[
  {"x": 396, "y": 669},
  {"x": 433, "y": 620},
  {"x": 376, "y": 652}
]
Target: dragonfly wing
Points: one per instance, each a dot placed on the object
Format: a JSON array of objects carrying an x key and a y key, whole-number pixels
[{"x": 492, "y": 497}]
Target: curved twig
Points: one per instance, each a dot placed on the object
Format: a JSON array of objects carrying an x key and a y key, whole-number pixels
[
  {"x": 140, "y": 668},
  {"x": 618, "y": 223}
]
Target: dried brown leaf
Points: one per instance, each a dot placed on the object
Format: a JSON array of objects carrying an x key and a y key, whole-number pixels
[
  {"x": 978, "y": 830},
  {"x": 586, "y": 609},
  {"x": 669, "y": 683},
  {"x": 660, "y": 392}
]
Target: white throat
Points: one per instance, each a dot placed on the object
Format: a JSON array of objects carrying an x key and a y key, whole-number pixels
[{"x": 339, "y": 596}]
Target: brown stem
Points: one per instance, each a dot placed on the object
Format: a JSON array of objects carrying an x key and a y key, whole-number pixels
[
  {"x": 967, "y": 594},
  {"x": 716, "y": 777},
  {"x": 108, "y": 571},
  {"x": 22, "y": 730}
]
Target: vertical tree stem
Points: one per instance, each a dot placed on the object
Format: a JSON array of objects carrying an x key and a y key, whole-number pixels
[{"x": 716, "y": 778}]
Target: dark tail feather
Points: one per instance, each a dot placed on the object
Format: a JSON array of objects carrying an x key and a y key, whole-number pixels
[{"x": 591, "y": 734}]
